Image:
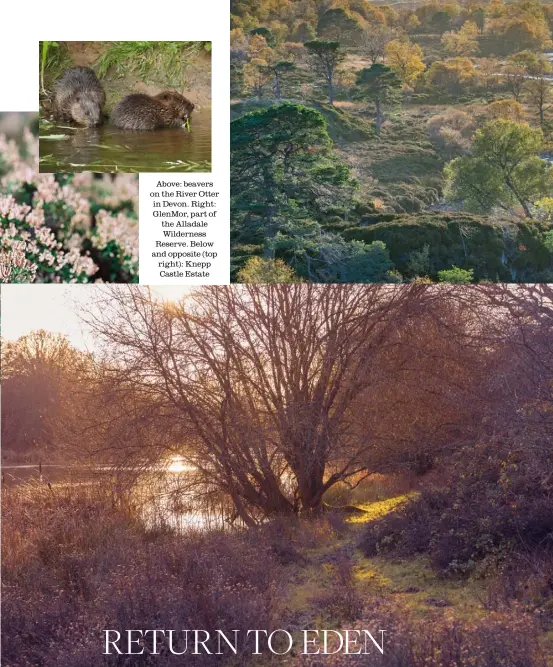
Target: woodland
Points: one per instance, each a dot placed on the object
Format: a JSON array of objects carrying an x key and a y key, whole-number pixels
[
  {"x": 368, "y": 456},
  {"x": 392, "y": 142}
]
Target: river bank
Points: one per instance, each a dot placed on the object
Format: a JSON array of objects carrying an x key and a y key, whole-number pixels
[{"x": 73, "y": 552}]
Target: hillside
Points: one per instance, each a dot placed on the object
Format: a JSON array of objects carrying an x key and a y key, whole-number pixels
[{"x": 408, "y": 102}]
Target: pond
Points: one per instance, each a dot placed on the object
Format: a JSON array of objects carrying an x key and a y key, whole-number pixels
[
  {"x": 159, "y": 494},
  {"x": 69, "y": 148}
]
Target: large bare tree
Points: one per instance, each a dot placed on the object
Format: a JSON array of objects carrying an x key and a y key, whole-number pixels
[
  {"x": 255, "y": 384},
  {"x": 275, "y": 393}
]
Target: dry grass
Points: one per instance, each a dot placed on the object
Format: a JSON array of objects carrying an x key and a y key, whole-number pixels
[{"x": 76, "y": 562}]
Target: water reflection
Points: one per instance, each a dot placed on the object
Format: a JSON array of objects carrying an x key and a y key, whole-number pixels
[
  {"x": 162, "y": 494},
  {"x": 66, "y": 148},
  {"x": 177, "y": 464}
]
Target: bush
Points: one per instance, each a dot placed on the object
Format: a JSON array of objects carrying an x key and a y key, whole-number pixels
[
  {"x": 341, "y": 601},
  {"x": 259, "y": 270},
  {"x": 509, "y": 640},
  {"x": 64, "y": 228},
  {"x": 74, "y": 564},
  {"x": 456, "y": 276},
  {"x": 501, "y": 250},
  {"x": 451, "y": 133},
  {"x": 498, "y": 501}
]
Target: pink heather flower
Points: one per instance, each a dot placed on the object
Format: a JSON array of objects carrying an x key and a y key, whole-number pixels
[
  {"x": 27, "y": 243},
  {"x": 36, "y": 217}
]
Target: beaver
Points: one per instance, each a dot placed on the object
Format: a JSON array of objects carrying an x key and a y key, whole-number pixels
[
  {"x": 79, "y": 97},
  {"x": 142, "y": 112}
]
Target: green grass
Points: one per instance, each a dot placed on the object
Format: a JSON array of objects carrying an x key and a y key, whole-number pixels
[
  {"x": 343, "y": 126},
  {"x": 158, "y": 60},
  {"x": 54, "y": 59},
  {"x": 415, "y": 588}
]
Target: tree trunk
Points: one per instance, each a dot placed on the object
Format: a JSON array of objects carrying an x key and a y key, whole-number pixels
[
  {"x": 277, "y": 88},
  {"x": 378, "y": 118},
  {"x": 520, "y": 200}
]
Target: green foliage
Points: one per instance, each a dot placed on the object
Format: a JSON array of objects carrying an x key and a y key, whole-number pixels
[
  {"x": 44, "y": 48},
  {"x": 53, "y": 60},
  {"x": 277, "y": 71},
  {"x": 369, "y": 264},
  {"x": 379, "y": 84},
  {"x": 504, "y": 169},
  {"x": 266, "y": 33},
  {"x": 456, "y": 276},
  {"x": 337, "y": 23},
  {"x": 164, "y": 60},
  {"x": 400, "y": 172},
  {"x": 430, "y": 243},
  {"x": 304, "y": 32},
  {"x": 548, "y": 240},
  {"x": 326, "y": 56},
  {"x": 283, "y": 169},
  {"x": 322, "y": 256},
  {"x": 258, "y": 270}
]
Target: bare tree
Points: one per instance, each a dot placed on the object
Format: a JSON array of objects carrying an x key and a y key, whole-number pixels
[
  {"x": 275, "y": 393},
  {"x": 539, "y": 93},
  {"x": 514, "y": 77},
  {"x": 255, "y": 384},
  {"x": 374, "y": 41}
]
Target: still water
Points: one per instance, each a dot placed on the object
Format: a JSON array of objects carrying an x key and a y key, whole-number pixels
[
  {"x": 159, "y": 494},
  {"x": 67, "y": 148}
]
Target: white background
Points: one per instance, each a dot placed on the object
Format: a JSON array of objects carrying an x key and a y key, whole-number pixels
[{"x": 25, "y": 22}]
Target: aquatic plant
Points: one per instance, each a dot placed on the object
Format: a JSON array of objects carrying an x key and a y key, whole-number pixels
[{"x": 73, "y": 228}]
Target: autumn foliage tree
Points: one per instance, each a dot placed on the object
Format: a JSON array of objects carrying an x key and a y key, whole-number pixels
[
  {"x": 36, "y": 371},
  {"x": 406, "y": 60}
]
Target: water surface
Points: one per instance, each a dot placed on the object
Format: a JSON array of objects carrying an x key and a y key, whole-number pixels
[
  {"x": 68, "y": 148},
  {"x": 160, "y": 493}
]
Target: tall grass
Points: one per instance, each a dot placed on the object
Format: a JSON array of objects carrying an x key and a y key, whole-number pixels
[
  {"x": 76, "y": 560},
  {"x": 165, "y": 60},
  {"x": 53, "y": 60}
]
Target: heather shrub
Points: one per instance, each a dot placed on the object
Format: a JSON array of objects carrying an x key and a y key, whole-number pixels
[
  {"x": 451, "y": 133},
  {"x": 286, "y": 536},
  {"x": 341, "y": 600},
  {"x": 509, "y": 640},
  {"x": 74, "y": 228}
]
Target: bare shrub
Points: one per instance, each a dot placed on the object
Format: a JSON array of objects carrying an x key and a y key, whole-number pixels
[
  {"x": 75, "y": 565},
  {"x": 451, "y": 132},
  {"x": 509, "y": 640},
  {"x": 341, "y": 601},
  {"x": 498, "y": 502}
]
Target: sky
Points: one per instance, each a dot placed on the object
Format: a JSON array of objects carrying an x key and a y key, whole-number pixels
[{"x": 54, "y": 308}]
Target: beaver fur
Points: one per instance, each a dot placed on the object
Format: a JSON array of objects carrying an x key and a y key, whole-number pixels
[
  {"x": 79, "y": 97},
  {"x": 143, "y": 112}
]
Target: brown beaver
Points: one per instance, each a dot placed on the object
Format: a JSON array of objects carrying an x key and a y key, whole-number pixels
[
  {"x": 142, "y": 112},
  {"x": 79, "y": 97}
]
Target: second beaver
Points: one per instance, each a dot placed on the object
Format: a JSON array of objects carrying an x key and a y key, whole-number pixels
[
  {"x": 142, "y": 112},
  {"x": 79, "y": 97}
]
